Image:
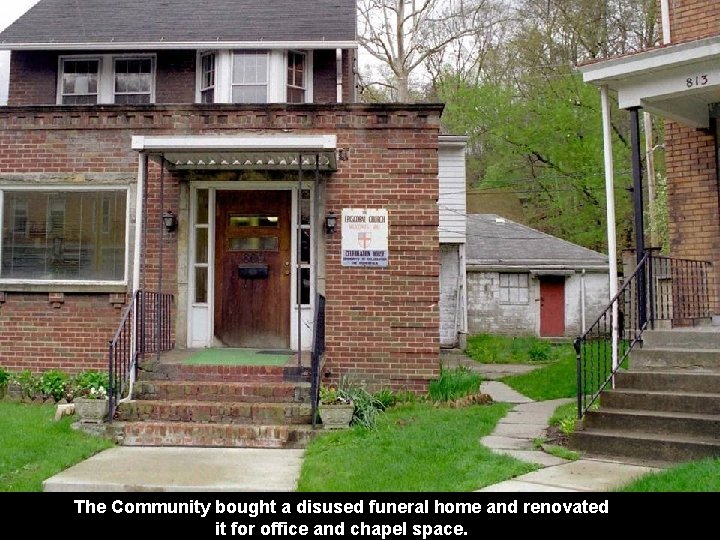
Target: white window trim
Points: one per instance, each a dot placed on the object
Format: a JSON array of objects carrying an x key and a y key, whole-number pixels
[
  {"x": 199, "y": 75},
  {"x": 69, "y": 188},
  {"x": 277, "y": 75},
  {"x": 106, "y": 75},
  {"x": 525, "y": 287}
]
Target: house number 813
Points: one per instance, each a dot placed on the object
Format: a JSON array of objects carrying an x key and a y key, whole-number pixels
[{"x": 698, "y": 80}]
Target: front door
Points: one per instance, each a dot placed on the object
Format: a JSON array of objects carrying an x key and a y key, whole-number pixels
[
  {"x": 252, "y": 268},
  {"x": 552, "y": 306}
]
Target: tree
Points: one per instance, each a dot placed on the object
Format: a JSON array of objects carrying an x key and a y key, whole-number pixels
[{"x": 404, "y": 34}]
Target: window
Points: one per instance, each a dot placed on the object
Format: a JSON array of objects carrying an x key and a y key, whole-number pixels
[
  {"x": 296, "y": 77},
  {"x": 51, "y": 235},
  {"x": 79, "y": 82},
  {"x": 133, "y": 81},
  {"x": 207, "y": 78},
  {"x": 125, "y": 80},
  {"x": 514, "y": 288},
  {"x": 250, "y": 77}
]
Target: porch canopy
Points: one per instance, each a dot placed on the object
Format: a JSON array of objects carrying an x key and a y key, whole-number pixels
[
  {"x": 678, "y": 82},
  {"x": 257, "y": 152}
]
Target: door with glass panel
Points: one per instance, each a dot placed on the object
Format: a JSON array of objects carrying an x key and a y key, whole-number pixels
[{"x": 252, "y": 268}]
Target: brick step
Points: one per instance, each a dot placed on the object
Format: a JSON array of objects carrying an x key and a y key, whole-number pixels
[
  {"x": 683, "y": 338},
  {"x": 672, "y": 423},
  {"x": 215, "y": 412},
  {"x": 677, "y": 381},
  {"x": 646, "y": 446},
  {"x": 183, "y": 372},
  {"x": 248, "y": 392},
  {"x": 155, "y": 433},
  {"x": 648, "y": 400},
  {"x": 648, "y": 358}
]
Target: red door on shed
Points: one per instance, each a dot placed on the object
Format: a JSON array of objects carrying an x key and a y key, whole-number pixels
[{"x": 552, "y": 306}]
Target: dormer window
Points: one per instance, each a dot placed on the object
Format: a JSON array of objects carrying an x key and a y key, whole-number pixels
[
  {"x": 79, "y": 82},
  {"x": 106, "y": 79},
  {"x": 296, "y": 77},
  {"x": 254, "y": 76}
]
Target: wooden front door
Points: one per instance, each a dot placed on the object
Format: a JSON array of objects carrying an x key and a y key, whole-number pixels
[
  {"x": 252, "y": 269},
  {"x": 552, "y": 306}
]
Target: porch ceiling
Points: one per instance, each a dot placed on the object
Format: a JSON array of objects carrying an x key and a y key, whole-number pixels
[
  {"x": 261, "y": 152},
  {"x": 679, "y": 82}
]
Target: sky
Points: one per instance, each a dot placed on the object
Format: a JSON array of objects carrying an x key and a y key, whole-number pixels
[{"x": 10, "y": 10}]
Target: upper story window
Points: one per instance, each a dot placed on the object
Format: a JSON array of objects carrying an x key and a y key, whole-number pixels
[
  {"x": 133, "y": 81},
  {"x": 107, "y": 79},
  {"x": 254, "y": 76},
  {"x": 207, "y": 78},
  {"x": 296, "y": 77},
  {"x": 79, "y": 82},
  {"x": 250, "y": 77}
]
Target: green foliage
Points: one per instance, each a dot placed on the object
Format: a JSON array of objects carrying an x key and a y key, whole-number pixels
[
  {"x": 454, "y": 384},
  {"x": 565, "y": 418},
  {"x": 416, "y": 447},
  {"x": 4, "y": 377},
  {"x": 53, "y": 383},
  {"x": 539, "y": 351},
  {"x": 83, "y": 383},
  {"x": 695, "y": 476},
  {"x": 29, "y": 383},
  {"x": 496, "y": 349},
  {"x": 33, "y": 447},
  {"x": 386, "y": 398},
  {"x": 367, "y": 406},
  {"x": 561, "y": 452},
  {"x": 552, "y": 381}
]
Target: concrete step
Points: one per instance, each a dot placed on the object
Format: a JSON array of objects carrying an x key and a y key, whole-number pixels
[
  {"x": 248, "y": 392},
  {"x": 647, "y": 358},
  {"x": 156, "y": 433},
  {"x": 673, "y": 381},
  {"x": 673, "y": 423},
  {"x": 645, "y": 446},
  {"x": 215, "y": 412},
  {"x": 648, "y": 400},
  {"x": 683, "y": 338},
  {"x": 182, "y": 372}
]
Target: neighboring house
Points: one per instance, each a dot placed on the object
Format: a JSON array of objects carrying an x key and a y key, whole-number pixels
[
  {"x": 679, "y": 82},
  {"x": 524, "y": 282},
  {"x": 215, "y": 152}
]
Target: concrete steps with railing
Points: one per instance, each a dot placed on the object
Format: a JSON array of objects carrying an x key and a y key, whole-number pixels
[
  {"x": 666, "y": 407},
  {"x": 218, "y": 406}
]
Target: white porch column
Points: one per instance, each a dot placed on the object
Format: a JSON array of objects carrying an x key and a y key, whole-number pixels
[{"x": 610, "y": 203}]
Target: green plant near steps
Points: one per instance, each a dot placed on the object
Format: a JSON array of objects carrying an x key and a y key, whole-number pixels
[
  {"x": 29, "y": 383},
  {"x": 454, "y": 384},
  {"x": 4, "y": 377},
  {"x": 84, "y": 382},
  {"x": 367, "y": 406},
  {"x": 54, "y": 383}
]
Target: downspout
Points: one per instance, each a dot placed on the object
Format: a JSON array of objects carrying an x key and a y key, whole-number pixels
[
  {"x": 582, "y": 301},
  {"x": 610, "y": 203},
  {"x": 665, "y": 15},
  {"x": 137, "y": 249},
  {"x": 339, "y": 74}
]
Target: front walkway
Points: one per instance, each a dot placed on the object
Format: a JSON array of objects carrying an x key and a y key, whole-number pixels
[{"x": 514, "y": 435}]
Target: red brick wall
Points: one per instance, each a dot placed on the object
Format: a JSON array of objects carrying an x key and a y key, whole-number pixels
[
  {"x": 694, "y": 223},
  {"x": 324, "y": 76},
  {"x": 33, "y": 77},
  {"x": 73, "y": 336},
  {"x": 382, "y": 324},
  {"x": 175, "y": 77},
  {"x": 694, "y": 19}
]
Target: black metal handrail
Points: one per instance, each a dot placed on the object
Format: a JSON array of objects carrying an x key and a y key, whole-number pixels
[
  {"x": 660, "y": 288},
  {"x": 317, "y": 352},
  {"x": 145, "y": 326}
]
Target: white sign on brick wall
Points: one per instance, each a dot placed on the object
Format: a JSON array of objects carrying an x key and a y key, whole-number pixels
[{"x": 364, "y": 237}]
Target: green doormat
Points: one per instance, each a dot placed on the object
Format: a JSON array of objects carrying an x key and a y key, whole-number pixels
[{"x": 238, "y": 357}]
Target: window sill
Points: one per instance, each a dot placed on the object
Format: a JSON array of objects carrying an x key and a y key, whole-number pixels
[{"x": 64, "y": 287}]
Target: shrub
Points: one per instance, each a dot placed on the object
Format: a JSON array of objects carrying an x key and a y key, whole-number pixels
[
  {"x": 84, "y": 382},
  {"x": 386, "y": 397},
  {"x": 540, "y": 351},
  {"x": 367, "y": 406},
  {"x": 29, "y": 383},
  {"x": 454, "y": 384},
  {"x": 4, "y": 377},
  {"x": 53, "y": 383}
]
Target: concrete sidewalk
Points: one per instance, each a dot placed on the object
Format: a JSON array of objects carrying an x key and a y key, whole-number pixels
[
  {"x": 514, "y": 436},
  {"x": 128, "y": 468}
]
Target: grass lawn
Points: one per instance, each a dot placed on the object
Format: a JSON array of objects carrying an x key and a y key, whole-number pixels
[
  {"x": 693, "y": 476},
  {"x": 33, "y": 447},
  {"x": 496, "y": 349},
  {"x": 416, "y": 447},
  {"x": 553, "y": 381}
]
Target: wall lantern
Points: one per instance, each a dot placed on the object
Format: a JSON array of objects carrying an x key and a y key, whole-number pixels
[
  {"x": 170, "y": 221},
  {"x": 330, "y": 222}
]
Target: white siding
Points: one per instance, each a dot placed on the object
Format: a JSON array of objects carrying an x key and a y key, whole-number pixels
[
  {"x": 451, "y": 203},
  {"x": 450, "y": 306}
]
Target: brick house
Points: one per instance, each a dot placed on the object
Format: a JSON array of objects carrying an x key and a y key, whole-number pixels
[{"x": 227, "y": 165}]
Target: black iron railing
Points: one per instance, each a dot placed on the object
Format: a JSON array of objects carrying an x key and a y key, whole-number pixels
[
  {"x": 316, "y": 356},
  {"x": 660, "y": 288},
  {"x": 145, "y": 327}
]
